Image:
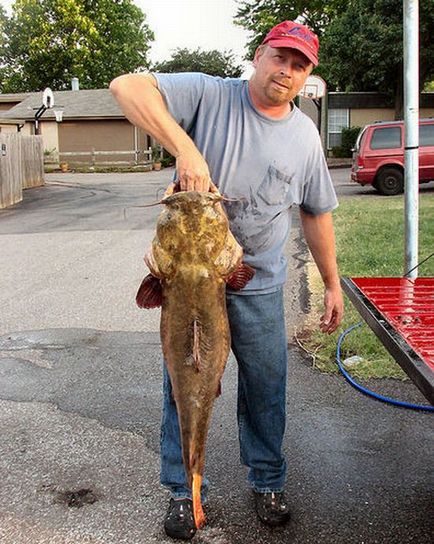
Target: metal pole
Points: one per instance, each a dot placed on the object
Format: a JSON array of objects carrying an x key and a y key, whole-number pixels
[
  {"x": 411, "y": 124},
  {"x": 324, "y": 122},
  {"x": 136, "y": 146}
]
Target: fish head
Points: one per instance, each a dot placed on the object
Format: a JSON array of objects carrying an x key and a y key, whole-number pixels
[
  {"x": 193, "y": 226},
  {"x": 192, "y": 201}
]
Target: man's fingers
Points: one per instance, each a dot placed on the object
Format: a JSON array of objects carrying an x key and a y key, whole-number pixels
[
  {"x": 190, "y": 185},
  {"x": 194, "y": 183},
  {"x": 169, "y": 191},
  {"x": 213, "y": 188},
  {"x": 331, "y": 324}
]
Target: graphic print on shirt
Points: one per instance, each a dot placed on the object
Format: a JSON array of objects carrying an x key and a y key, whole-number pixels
[{"x": 253, "y": 219}]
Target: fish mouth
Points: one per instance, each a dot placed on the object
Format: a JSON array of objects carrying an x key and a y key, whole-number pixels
[{"x": 192, "y": 196}]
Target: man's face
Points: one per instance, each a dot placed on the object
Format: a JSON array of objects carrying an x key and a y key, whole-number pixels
[{"x": 280, "y": 74}]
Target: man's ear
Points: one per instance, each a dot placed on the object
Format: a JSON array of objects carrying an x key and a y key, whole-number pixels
[{"x": 258, "y": 54}]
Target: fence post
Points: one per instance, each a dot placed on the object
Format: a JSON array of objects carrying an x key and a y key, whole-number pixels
[
  {"x": 32, "y": 158},
  {"x": 11, "y": 170}
]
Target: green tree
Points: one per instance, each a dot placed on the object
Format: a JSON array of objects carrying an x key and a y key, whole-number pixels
[
  {"x": 362, "y": 49},
  {"x": 3, "y": 21},
  {"x": 214, "y": 63},
  {"x": 50, "y": 41},
  {"x": 259, "y": 16}
]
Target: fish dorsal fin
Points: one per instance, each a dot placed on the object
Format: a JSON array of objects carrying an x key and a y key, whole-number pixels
[
  {"x": 150, "y": 293},
  {"x": 240, "y": 277}
]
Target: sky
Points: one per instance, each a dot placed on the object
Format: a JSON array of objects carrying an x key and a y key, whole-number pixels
[
  {"x": 193, "y": 23},
  {"x": 190, "y": 23}
]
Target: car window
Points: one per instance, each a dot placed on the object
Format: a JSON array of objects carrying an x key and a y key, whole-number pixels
[
  {"x": 360, "y": 137},
  {"x": 385, "y": 138},
  {"x": 426, "y": 135}
]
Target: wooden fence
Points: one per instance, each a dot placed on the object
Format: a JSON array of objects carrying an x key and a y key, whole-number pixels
[
  {"x": 32, "y": 159},
  {"x": 21, "y": 166},
  {"x": 106, "y": 158}
]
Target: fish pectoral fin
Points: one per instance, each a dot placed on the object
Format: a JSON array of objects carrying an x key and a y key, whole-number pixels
[
  {"x": 150, "y": 293},
  {"x": 151, "y": 263},
  {"x": 240, "y": 277}
]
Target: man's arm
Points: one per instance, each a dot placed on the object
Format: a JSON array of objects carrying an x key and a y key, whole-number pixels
[
  {"x": 144, "y": 106},
  {"x": 319, "y": 234}
]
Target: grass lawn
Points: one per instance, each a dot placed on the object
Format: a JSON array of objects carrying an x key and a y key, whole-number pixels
[{"x": 370, "y": 242}]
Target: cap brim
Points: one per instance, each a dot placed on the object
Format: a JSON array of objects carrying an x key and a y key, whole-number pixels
[{"x": 292, "y": 43}]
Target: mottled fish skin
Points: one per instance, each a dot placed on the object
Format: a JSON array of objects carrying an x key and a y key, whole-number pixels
[{"x": 192, "y": 254}]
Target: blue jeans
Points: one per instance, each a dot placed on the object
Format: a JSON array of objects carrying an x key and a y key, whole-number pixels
[{"x": 260, "y": 346}]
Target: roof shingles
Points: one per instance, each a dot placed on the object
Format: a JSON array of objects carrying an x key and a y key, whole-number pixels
[{"x": 90, "y": 104}]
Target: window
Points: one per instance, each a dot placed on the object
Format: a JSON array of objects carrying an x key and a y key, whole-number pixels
[
  {"x": 386, "y": 138},
  {"x": 338, "y": 119},
  {"x": 426, "y": 135}
]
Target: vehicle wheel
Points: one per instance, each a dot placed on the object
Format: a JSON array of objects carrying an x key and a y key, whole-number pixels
[{"x": 390, "y": 181}]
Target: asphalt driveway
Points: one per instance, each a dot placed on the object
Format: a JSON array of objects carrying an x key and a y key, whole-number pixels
[{"x": 80, "y": 380}]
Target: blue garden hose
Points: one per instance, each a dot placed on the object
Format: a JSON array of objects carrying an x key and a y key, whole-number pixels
[{"x": 376, "y": 396}]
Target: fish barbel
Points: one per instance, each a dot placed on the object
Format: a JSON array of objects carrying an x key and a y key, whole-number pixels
[{"x": 193, "y": 256}]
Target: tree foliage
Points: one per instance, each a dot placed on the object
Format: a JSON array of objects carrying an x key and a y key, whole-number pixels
[
  {"x": 361, "y": 40},
  {"x": 47, "y": 42},
  {"x": 3, "y": 21},
  {"x": 214, "y": 63},
  {"x": 259, "y": 16},
  {"x": 362, "y": 49}
]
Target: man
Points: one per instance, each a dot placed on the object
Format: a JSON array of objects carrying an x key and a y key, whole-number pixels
[{"x": 259, "y": 149}]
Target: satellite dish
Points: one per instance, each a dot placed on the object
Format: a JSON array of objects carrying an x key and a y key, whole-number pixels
[
  {"x": 315, "y": 87},
  {"x": 48, "y": 98}
]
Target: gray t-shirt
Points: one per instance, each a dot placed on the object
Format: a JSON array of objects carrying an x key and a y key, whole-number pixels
[{"x": 268, "y": 165}]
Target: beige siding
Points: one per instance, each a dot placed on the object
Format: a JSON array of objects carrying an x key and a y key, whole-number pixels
[
  {"x": 8, "y": 128},
  {"x": 50, "y": 135},
  {"x": 104, "y": 135},
  {"x": 27, "y": 129},
  {"x": 360, "y": 118},
  {"x": 426, "y": 112}
]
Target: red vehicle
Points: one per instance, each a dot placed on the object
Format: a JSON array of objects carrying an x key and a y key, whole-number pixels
[{"x": 378, "y": 157}]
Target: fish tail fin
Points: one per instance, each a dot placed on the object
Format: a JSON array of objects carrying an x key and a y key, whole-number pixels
[{"x": 199, "y": 516}]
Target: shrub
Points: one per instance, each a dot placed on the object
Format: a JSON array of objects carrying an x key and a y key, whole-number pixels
[
  {"x": 349, "y": 137},
  {"x": 338, "y": 152}
]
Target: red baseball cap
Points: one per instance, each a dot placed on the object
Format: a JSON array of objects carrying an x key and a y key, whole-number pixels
[{"x": 295, "y": 36}]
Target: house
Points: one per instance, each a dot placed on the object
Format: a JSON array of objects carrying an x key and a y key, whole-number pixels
[
  {"x": 360, "y": 109},
  {"x": 94, "y": 130},
  {"x": 81, "y": 124}
]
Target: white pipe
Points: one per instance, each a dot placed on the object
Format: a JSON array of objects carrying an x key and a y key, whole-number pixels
[
  {"x": 411, "y": 124},
  {"x": 136, "y": 146}
]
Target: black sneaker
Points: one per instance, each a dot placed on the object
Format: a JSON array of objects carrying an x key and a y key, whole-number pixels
[
  {"x": 179, "y": 521},
  {"x": 272, "y": 508}
]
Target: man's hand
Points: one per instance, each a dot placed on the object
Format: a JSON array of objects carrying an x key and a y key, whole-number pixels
[
  {"x": 193, "y": 172},
  {"x": 333, "y": 310}
]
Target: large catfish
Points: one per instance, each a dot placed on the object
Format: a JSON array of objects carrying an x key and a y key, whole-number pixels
[{"x": 193, "y": 256}]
